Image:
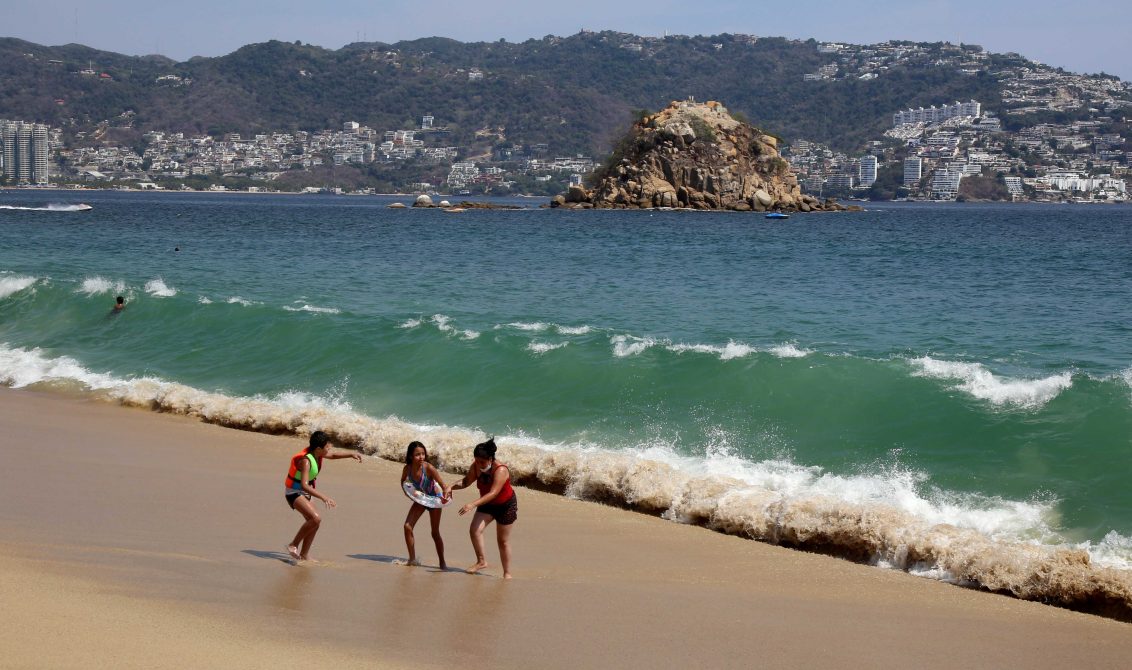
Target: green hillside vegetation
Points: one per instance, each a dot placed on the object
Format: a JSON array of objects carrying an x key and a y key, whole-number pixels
[{"x": 571, "y": 93}]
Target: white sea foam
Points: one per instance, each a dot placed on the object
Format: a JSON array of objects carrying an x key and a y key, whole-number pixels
[
  {"x": 204, "y": 300},
  {"x": 14, "y": 284},
  {"x": 444, "y": 324},
  {"x": 573, "y": 330},
  {"x": 726, "y": 352},
  {"x": 23, "y": 367},
  {"x": 237, "y": 300},
  {"x": 981, "y": 383},
  {"x": 539, "y": 326},
  {"x": 543, "y": 347},
  {"x": 1113, "y": 551},
  {"x": 411, "y": 323},
  {"x": 1126, "y": 375},
  {"x": 98, "y": 285},
  {"x": 536, "y": 327},
  {"x": 303, "y": 307},
  {"x": 890, "y": 516},
  {"x": 790, "y": 350},
  {"x": 631, "y": 345},
  {"x": 158, "y": 289}
]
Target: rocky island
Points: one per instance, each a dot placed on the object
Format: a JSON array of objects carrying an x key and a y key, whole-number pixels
[{"x": 697, "y": 156}]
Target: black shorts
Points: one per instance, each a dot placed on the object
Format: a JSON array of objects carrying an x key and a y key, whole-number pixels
[
  {"x": 503, "y": 513},
  {"x": 292, "y": 496}
]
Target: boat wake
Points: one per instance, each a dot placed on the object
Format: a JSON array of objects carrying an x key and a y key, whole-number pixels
[{"x": 54, "y": 207}]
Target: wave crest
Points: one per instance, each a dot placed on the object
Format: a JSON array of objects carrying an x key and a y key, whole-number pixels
[
  {"x": 98, "y": 285},
  {"x": 981, "y": 383},
  {"x": 14, "y": 284},
  {"x": 158, "y": 289}
]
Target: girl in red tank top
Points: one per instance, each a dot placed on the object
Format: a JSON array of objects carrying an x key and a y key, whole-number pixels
[{"x": 497, "y": 502}]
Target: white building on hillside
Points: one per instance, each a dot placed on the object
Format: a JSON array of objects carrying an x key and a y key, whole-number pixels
[
  {"x": 913, "y": 170},
  {"x": 868, "y": 170}
]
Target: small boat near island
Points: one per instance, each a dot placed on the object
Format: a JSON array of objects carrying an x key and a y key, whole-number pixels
[{"x": 777, "y": 215}]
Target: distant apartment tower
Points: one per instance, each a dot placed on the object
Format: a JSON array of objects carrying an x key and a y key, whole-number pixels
[
  {"x": 935, "y": 114},
  {"x": 426, "y": 122},
  {"x": 25, "y": 152},
  {"x": 945, "y": 183},
  {"x": 913, "y": 170},
  {"x": 868, "y": 170}
]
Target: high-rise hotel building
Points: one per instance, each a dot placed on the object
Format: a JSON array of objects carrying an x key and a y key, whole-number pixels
[{"x": 24, "y": 152}]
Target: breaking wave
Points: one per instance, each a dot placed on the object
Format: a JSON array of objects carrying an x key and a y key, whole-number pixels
[
  {"x": 630, "y": 345},
  {"x": 14, "y": 284},
  {"x": 890, "y": 516},
  {"x": 99, "y": 285},
  {"x": 158, "y": 289},
  {"x": 303, "y": 307},
  {"x": 976, "y": 380}
]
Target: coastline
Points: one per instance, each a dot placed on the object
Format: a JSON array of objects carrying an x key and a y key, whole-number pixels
[{"x": 147, "y": 517}]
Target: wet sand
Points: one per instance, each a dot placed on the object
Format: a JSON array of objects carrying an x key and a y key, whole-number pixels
[{"x": 137, "y": 539}]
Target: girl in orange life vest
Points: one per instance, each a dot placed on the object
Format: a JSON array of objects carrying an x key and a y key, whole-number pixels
[
  {"x": 420, "y": 473},
  {"x": 299, "y": 489},
  {"x": 497, "y": 503}
]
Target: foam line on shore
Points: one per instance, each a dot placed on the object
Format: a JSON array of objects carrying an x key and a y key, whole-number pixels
[{"x": 887, "y": 517}]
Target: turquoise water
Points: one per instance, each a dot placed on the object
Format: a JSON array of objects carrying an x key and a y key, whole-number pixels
[{"x": 950, "y": 366}]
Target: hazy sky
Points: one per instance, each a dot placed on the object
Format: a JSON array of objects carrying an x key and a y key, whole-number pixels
[{"x": 1084, "y": 36}]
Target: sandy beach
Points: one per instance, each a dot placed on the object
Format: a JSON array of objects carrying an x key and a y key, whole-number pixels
[{"x": 138, "y": 539}]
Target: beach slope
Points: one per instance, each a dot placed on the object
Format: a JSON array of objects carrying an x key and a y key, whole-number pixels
[{"x": 151, "y": 540}]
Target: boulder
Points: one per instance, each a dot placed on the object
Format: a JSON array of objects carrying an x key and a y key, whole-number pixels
[
  {"x": 422, "y": 201},
  {"x": 577, "y": 194}
]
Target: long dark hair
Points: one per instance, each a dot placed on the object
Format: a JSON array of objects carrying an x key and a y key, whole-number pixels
[
  {"x": 413, "y": 447},
  {"x": 485, "y": 449}
]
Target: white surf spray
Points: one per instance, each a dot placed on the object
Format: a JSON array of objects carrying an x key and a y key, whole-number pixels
[
  {"x": 10, "y": 285},
  {"x": 975, "y": 380},
  {"x": 444, "y": 324},
  {"x": 303, "y": 307},
  {"x": 790, "y": 350},
  {"x": 158, "y": 289},
  {"x": 573, "y": 330},
  {"x": 631, "y": 345},
  {"x": 98, "y": 285},
  {"x": 543, "y": 347}
]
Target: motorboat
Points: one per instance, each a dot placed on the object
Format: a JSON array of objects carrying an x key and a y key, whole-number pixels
[{"x": 777, "y": 215}]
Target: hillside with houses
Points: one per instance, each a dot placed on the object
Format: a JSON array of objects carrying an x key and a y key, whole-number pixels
[{"x": 883, "y": 121}]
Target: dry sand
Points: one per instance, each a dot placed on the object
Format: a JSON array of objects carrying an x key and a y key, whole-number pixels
[{"x": 136, "y": 539}]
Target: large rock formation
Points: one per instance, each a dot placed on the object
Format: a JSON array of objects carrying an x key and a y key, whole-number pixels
[{"x": 695, "y": 155}]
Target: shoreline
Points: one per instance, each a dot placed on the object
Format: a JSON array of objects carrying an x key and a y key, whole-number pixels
[
  {"x": 183, "y": 519},
  {"x": 69, "y": 189}
]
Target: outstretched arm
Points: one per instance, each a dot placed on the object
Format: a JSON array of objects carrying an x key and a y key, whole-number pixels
[
  {"x": 338, "y": 453},
  {"x": 469, "y": 477}
]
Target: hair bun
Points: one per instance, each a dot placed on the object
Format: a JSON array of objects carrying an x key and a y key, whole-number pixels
[{"x": 486, "y": 449}]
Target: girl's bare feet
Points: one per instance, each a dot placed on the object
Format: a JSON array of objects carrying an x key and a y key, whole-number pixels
[
  {"x": 480, "y": 565},
  {"x": 293, "y": 551},
  {"x": 507, "y": 575}
]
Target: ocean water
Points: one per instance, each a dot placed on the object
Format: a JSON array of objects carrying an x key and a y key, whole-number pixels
[{"x": 944, "y": 389}]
